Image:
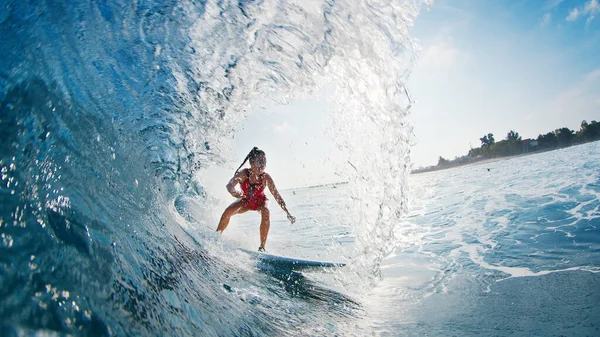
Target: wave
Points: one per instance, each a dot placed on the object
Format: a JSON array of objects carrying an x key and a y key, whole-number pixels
[{"x": 108, "y": 109}]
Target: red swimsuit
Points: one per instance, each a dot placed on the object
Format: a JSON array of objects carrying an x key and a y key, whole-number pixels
[{"x": 255, "y": 197}]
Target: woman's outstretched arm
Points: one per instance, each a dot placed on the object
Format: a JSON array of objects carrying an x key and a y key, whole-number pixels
[{"x": 278, "y": 197}]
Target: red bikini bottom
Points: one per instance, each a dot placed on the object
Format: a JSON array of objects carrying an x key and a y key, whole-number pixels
[{"x": 254, "y": 203}]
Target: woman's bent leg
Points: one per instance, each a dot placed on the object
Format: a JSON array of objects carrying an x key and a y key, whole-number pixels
[
  {"x": 235, "y": 208},
  {"x": 265, "y": 224}
]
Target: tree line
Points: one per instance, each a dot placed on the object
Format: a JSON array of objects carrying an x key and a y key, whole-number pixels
[{"x": 513, "y": 144}]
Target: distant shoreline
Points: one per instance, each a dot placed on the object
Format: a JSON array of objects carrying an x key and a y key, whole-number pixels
[
  {"x": 486, "y": 160},
  {"x": 514, "y": 146},
  {"x": 333, "y": 185}
]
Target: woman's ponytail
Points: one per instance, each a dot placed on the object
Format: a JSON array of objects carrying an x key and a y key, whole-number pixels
[{"x": 253, "y": 153}]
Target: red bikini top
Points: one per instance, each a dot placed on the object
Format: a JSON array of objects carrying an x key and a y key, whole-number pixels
[{"x": 256, "y": 190}]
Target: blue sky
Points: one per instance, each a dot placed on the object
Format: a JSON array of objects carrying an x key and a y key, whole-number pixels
[
  {"x": 494, "y": 66},
  {"x": 531, "y": 66}
]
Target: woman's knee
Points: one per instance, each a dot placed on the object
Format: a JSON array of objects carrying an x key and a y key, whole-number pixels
[{"x": 265, "y": 213}]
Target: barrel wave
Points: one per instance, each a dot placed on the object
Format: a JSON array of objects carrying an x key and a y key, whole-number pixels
[{"x": 109, "y": 108}]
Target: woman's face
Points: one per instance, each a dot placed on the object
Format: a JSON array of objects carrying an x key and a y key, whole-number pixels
[{"x": 258, "y": 164}]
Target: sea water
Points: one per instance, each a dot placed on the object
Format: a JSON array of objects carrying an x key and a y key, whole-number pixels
[
  {"x": 509, "y": 247},
  {"x": 504, "y": 247},
  {"x": 109, "y": 112}
]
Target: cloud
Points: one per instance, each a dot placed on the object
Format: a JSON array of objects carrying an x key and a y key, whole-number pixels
[
  {"x": 545, "y": 20},
  {"x": 592, "y": 7},
  {"x": 588, "y": 10},
  {"x": 440, "y": 56},
  {"x": 581, "y": 96},
  {"x": 589, "y": 19},
  {"x": 573, "y": 15},
  {"x": 553, "y": 3},
  {"x": 593, "y": 75}
]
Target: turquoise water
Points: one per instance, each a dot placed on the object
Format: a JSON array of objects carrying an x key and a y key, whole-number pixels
[
  {"x": 109, "y": 111},
  {"x": 508, "y": 247},
  {"x": 510, "y": 251}
]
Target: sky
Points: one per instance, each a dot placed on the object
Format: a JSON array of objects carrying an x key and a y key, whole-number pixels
[
  {"x": 295, "y": 139},
  {"x": 531, "y": 66},
  {"x": 495, "y": 66}
]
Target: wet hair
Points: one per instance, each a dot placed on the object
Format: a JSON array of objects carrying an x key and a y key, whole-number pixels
[{"x": 253, "y": 154}]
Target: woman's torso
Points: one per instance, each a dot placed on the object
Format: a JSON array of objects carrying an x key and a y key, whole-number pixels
[{"x": 253, "y": 189}]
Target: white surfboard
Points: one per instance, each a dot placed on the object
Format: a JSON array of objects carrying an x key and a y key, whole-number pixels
[{"x": 282, "y": 263}]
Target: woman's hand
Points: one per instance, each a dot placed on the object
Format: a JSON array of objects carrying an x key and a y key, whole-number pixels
[
  {"x": 291, "y": 218},
  {"x": 237, "y": 194}
]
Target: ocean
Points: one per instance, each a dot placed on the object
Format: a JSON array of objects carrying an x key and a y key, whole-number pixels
[{"x": 110, "y": 111}]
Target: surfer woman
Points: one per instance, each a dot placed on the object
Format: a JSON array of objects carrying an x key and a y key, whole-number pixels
[{"x": 252, "y": 197}]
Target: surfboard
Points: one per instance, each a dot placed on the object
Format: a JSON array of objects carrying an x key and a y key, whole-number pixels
[{"x": 282, "y": 263}]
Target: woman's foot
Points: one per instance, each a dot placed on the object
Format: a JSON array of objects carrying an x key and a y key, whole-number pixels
[{"x": 262, "y": 249}]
